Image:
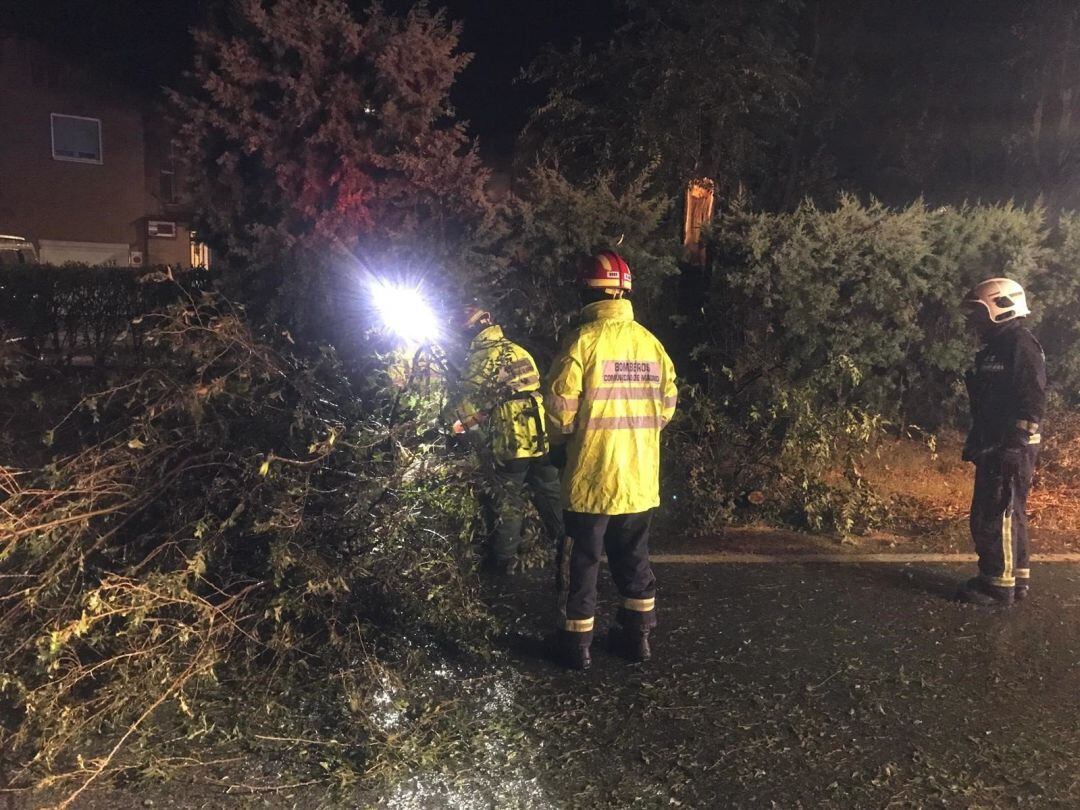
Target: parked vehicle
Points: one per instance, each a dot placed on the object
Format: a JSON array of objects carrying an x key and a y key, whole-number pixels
[{"x": 15, "y": 250}]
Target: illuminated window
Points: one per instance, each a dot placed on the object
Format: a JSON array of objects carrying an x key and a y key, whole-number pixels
[
  {"x": 200, "y": 253},
  {"x": 76, "y": 138}
]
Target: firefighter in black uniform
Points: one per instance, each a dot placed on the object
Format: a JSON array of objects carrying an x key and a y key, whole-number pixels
[{"x": 1007, "y": 390}]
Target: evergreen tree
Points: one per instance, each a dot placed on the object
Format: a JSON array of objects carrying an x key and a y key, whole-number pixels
[
  {"x": 687, "y": 88},
  {"x": 557, "y": 222},
  {"x": 312, "y": 135}
]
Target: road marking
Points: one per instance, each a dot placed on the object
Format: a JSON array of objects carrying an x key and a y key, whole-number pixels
[{"x": 739, "y": 558}]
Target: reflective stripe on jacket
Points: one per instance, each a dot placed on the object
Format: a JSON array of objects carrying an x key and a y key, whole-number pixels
[
  {"x": 501, "y": 394},
  {"x": 612, "y": 391}
]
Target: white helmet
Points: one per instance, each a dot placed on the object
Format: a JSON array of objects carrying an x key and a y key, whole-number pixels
[{"x": 1003, "y": 298}]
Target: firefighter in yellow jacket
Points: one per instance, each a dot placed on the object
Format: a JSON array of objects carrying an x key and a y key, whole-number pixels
[
  {"x": 500, "y": 399},
  {"x": 612, "y": 390}
]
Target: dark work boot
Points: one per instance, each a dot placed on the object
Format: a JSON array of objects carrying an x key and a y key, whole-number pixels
[
  {"x": 1022, "y": 591},
  {"x": 577, "y": 657},
  {"x": 633, "y": 645},
  {"x": 639, "y": 649},
  {"x": 572, "y": 650},
  {"x": 977, "y": 591}
]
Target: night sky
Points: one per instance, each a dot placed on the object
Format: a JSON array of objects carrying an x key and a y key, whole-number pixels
[
  {"x": 919, "y": 98},
  {"x": 146, "y": 44}
]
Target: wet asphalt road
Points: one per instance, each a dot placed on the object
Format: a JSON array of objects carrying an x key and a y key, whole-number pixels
[
  {"x": 810, "y": 686},
  {"x": 773, "y": 686}
]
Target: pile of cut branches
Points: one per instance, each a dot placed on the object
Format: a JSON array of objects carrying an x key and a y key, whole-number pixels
[{"x": 232, "y": 519}]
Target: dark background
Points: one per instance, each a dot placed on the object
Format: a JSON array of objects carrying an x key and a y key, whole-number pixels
[
  {"x": 919, "y": 98},
  {"x": 146, "y": 44}
]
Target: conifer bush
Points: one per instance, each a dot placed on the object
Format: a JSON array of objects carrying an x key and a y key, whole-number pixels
[{"x": 825, "y": 328}]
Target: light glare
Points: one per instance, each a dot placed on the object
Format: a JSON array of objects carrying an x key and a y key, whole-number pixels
[{"x": 403, "y": 310}]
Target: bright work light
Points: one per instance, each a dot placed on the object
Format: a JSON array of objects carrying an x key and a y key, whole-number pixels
[{"x": 403, "y": 311}]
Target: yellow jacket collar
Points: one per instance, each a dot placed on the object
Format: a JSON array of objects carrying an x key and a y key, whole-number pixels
[
  {"x": 485, "y": 337},
  {"x": 617, "y": 309}
]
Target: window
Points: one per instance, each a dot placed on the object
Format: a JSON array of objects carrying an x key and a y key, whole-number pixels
[
  {"x": 200, "y": 253},
  {"x": 76, "y": 138},
  {"x": 161, "y": 229}
]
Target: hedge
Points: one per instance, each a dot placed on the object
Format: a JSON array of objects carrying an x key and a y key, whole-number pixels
[
  {"x": 803, "y": 298},
  {"x": 62, "y": 312}
]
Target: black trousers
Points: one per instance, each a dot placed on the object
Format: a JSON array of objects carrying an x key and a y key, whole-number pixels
[
  {"x": 505, "y": 504},
  {"x": 999, "y": 521},
  {"x": 626, "y": 540}
]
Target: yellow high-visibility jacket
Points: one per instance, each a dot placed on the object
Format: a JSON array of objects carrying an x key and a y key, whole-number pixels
[
  {"x": 611, "y": 391},
  {"x": 500, "y": 394},
  {"x": 417, "y": 367},
  {"x": 419, "y": 373}
]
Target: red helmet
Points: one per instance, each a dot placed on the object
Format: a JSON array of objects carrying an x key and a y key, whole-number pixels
[{"x": 606, "y": 271}]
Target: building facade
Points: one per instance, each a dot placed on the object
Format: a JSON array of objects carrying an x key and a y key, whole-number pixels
[{"x": 86, "y": 171}]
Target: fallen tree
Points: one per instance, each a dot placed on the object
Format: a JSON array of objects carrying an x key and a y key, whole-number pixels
[{"x": 244, "y": 522}]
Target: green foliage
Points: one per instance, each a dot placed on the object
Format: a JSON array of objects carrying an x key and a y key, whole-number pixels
[
  {"x": 249, "y": 521},
  {"x": 824, "y": 326},
  {"x": 557, "y": 222},
  {"x": 1056, "y": 303},
  {"x": 776, "y": 455},
  {"x": 794, "y": 294},
  {"x": 687, "y": 88}
]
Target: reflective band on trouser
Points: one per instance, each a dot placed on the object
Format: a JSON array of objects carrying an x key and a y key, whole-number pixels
[
  {"x": 640, "y": 605},
  {"x": 1036, "y": 439},
  {"x": 1023, "y": 573},
  {"x": 624, "y": 422},
  {"x": 578, "y": 625},
  {"x": 1027, "y": 427},
  {"x": 1007, "y": 578}
]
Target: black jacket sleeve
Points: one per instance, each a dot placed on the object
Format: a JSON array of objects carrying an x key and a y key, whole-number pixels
[{"x": 1029, "y": 390}]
